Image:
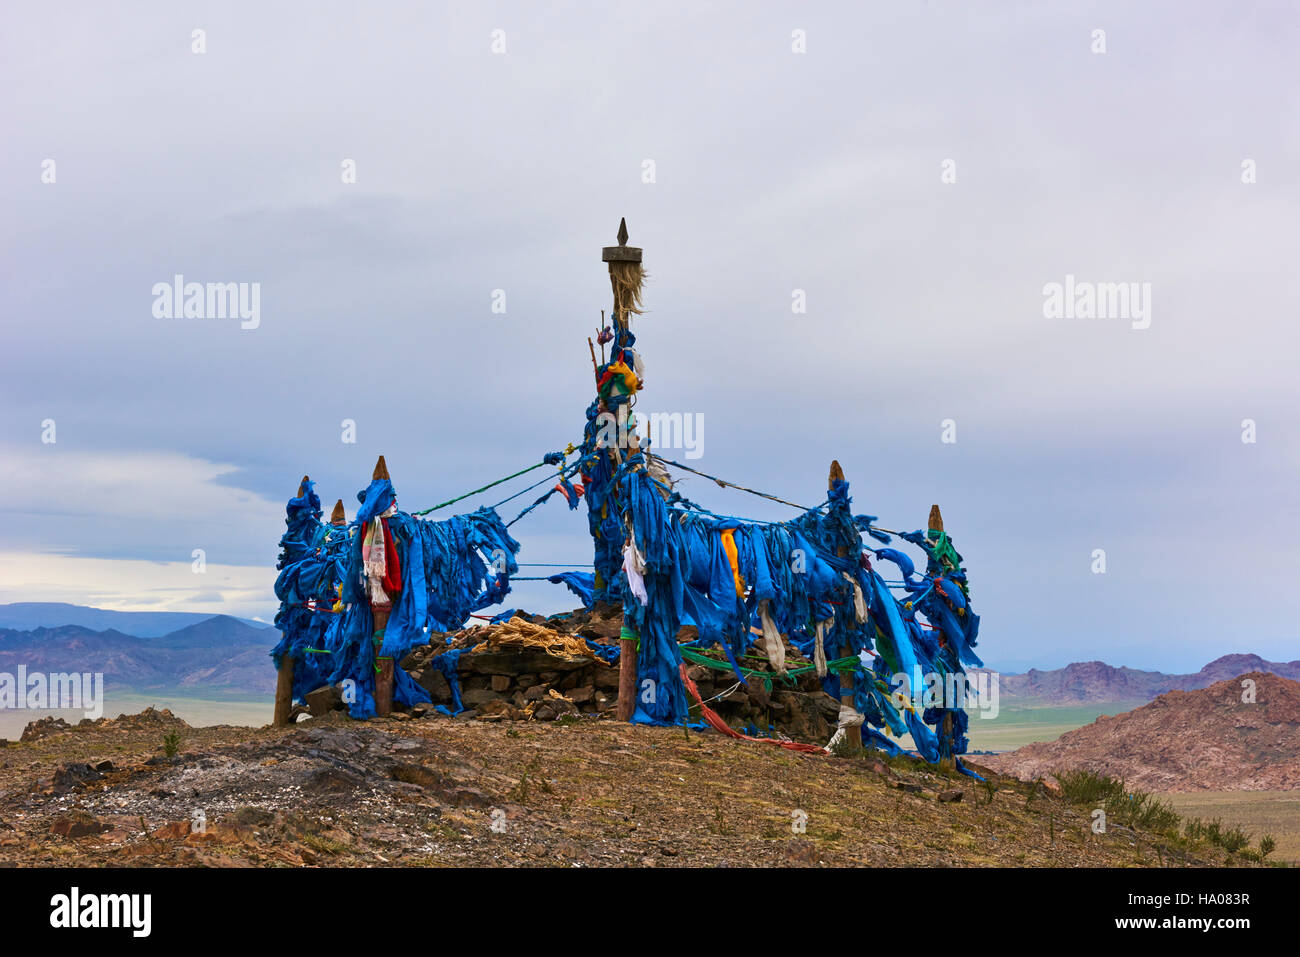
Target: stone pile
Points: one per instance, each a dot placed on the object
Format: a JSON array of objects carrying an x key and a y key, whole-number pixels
[
  {"x": 540, "y": 669},
  {"x": 527, "y": 668}
]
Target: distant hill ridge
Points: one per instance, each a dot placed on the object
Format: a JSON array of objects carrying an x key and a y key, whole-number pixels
[
  {"x": 1208, "y": 739},
  {"x": 218, "y": 653},
  {"x": 26, "y": 615},
  {"x": 1095, "y": 681}
]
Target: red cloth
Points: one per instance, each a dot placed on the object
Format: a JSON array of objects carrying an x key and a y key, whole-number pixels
[
  {"x": 392, "y": 564},
  {"x": 714, "y": 720}
]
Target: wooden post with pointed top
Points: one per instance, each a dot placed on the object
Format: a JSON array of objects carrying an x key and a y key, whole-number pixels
[
  {"x": 947, "y": 759},
  {"x": 625, "y": 276},
  {"x": 284, "y": 674},
  {"x": 854, "y": 733},
  {"x": 339, "y": 516},
  {"x": 936, "y": 519},
  {"x": 385, "y": 665}
]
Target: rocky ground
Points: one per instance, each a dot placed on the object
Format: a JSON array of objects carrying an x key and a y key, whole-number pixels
[{"x": 575, "y": 791}]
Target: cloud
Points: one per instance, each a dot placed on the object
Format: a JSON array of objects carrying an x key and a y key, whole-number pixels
[
  {"x": 160, "y": 506},
  {"x": 134, "y": 585}
]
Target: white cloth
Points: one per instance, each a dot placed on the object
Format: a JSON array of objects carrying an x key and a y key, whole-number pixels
[
  {"x": 373, "y": 562},
  {"x": 859, "y": 600},
  {"x": 634, "y": 568},
  {"x": 659, "y": 473},
  {"x": 850, "y": 717},
  {"x": 819, "y": 647}
]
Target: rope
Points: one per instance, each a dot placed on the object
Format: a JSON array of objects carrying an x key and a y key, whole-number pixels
[
  {"x": 565, "y": 472},
  {"x": 725, "y": 484},
  {"x": 689, "y": 506},
  {"x": 839, "y": 665},
  {"x": 452, "y": 501},
  {"x": 717, "y": 724},
  {"x": 722, "y": 694}
]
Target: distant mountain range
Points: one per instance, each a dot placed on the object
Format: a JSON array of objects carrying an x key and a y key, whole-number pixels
[
  {"x": 1095, "y": 681},
  {"x": 214, "y": 654},
  {"x": 185, "y": 651},
  {"x": 25, "y": 615},
  {"x": 1208, "y": 739}
]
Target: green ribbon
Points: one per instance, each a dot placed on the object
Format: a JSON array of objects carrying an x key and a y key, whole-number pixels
[{"x": 838, "y": 666}]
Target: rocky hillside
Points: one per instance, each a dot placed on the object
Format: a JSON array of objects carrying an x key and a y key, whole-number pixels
[
  {"x": 1090, "y": 681},
  {"x": 438, "y": 791},
  {"x": 1204, "y": 740}
]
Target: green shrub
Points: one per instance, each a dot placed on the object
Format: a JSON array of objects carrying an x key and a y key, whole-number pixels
[
  {"x": 844, "y": 748},
  {"x": 1231, "y": 839},
  {"x": 1234, "y": 839},
  {"x": 1136, "y": 809},
  {"x": 1089, "y": 787}
]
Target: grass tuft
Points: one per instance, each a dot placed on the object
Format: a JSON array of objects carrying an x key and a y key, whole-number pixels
[{"x": 1140, "y": 810}]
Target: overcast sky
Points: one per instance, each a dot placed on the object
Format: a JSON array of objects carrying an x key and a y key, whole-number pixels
[{"x": 774, "y": 171}]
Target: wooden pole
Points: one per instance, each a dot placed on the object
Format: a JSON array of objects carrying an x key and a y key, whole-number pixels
[
  {"x": 284, "y": 674},
  {"x": 854, "y": 733},
  {"x": 618, "y": 257},
  {"x": 384, "y": 677},
  {"x": 936, "y": 519},
  {"x": 947, "y": 758},
  {"x": 384, "y": 688},
  {"x": 284, "y": 691},
  {"x": 626, "y": 678}
]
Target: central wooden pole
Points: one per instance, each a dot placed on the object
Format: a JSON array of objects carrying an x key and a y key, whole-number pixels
[
  {"x": 625, "y": 277},
  {"x": 853, "y": 733}
]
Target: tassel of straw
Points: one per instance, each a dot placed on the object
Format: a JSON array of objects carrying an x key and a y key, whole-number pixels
[{"x": 627, "y": 280}]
